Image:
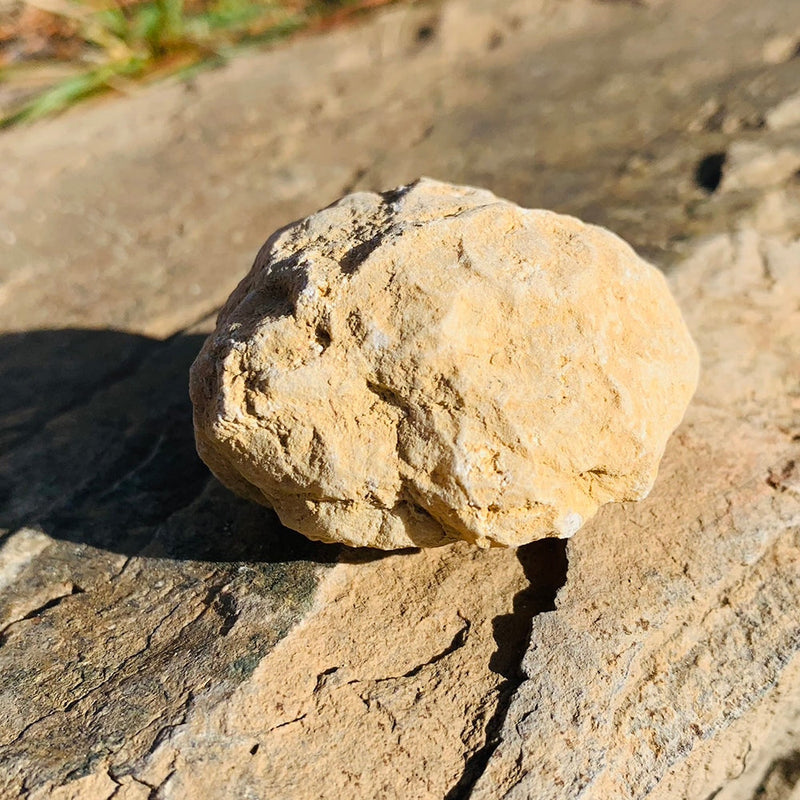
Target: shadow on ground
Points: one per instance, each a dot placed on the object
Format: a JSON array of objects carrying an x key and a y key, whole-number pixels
[
  {"x": 545, "y": 566},
  {"x": 98, "y": 449}
]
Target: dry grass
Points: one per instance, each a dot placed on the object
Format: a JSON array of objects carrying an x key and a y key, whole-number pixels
[{"x": 54, "y": 53}]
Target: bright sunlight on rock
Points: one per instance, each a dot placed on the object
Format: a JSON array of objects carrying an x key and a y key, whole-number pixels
[{"x": 434, "y": 363}]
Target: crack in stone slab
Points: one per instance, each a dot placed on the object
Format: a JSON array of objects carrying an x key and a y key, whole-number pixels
[{"x": 545, "y": 567}]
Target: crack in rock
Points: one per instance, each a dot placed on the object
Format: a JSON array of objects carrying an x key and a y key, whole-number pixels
[
  {"x": 545, "y": 566},
  {"x": 40, "y": 609}
]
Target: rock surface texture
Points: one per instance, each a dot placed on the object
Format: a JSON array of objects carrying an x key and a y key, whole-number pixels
[
  {"x": 433, "y": 363},
  {"x": 163, "y": 639}
]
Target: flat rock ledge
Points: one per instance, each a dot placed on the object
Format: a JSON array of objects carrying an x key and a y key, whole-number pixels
[{"x": 162, "y": 638}]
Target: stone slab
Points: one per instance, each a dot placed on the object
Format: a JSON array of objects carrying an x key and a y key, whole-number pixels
[{"x": 160, "y": 638}]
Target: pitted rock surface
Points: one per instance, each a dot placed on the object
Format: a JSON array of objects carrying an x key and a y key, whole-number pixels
[{"x": 434, "y": 363}]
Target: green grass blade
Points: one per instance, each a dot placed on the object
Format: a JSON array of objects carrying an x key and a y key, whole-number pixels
[{"x": 70, "y": 91}]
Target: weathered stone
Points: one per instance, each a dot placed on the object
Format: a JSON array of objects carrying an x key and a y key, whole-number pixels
[
  {"x": 673, "y": 693},
  {"x": 759, "y": 165},
  {"x": 198, "y": 657},
  {"x": 785, "y": 115},
  {"x": 434, "y": 364},
  {"x": 781, "y": 48},
  {"x": 668, "y": 662}
]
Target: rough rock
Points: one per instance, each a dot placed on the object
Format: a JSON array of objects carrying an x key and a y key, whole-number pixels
[
  {"x": 781, "y": 48},
  {"x": 785, "y": 115},
  {"x": 673, "y": 694},
  {"x": 433, "y": 363},
  {"x": 162, "y": 638},
  {"x": 759, "y": 165}
]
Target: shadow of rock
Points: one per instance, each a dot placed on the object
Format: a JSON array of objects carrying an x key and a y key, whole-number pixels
[
  {"x": 545, "y": 566},
  {"x": 98, "y": 449},
  {"x": 781, "y": 778},
  {"x": 158, "y": 581}
]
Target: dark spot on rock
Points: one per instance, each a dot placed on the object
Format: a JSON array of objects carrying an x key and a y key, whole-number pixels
[
  {"x": 426, "y": 32},
  {"x": 391, "y": 196},
  {"x": 356, "y": 326},
  {"x": 226, "y": 607},
  {"x": 780, "y": 478},
  {"x": 495, "y": 40},
  {"x": 708, "y": 173},
  {"x": 323, "y": 337},
  {"x": 352, "y": 260},
  {"x": 388, "y": 395},
  {"x": 323, "y": 676}
]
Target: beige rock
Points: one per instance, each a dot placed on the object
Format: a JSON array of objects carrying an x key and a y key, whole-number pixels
[
  {"x": 758, "y": 165},
  {"x": 676, "y": 691},
  {"x": 785, "y": 115},
  {"x": 781, "y": 48},
  {"x": 433, "y": 364}
]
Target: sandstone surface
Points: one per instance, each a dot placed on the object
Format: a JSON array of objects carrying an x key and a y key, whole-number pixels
[
  {"x": 677, "y": 693},
  {"x": 162, "y": 638},
  {"x": 433, "y": 363}
]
